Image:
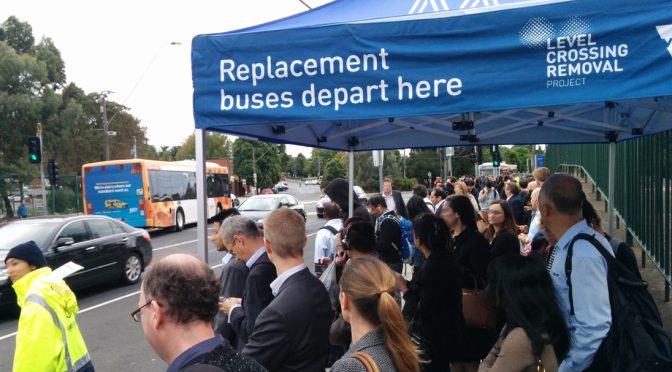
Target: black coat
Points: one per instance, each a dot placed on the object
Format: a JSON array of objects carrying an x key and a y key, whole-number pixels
[
  {"x": 400, "y": 207},
  {"x": 438, "y": 318},
  {"x": 518, "y": 211},
  {"x": 256, "y": 297},
  {"x": 505, "y": 243},
  {"x": 388, "y": 239},
  {"x": 222, "y": 358},
  {"x": 232, "y": 279},
  {"x": 292, "y": 332}
]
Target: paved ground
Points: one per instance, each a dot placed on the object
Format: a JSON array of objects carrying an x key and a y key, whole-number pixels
[{"x": 650, "y": 273}]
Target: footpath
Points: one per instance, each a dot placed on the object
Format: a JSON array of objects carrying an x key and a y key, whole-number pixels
[{"x": 650, "y": 272}]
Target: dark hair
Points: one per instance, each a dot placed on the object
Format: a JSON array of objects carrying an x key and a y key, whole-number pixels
[
  {"x": 226, "y": 213},
  {"x": 186, "y": 288},
  {"x": 359, "y": 235},
  {"x": 432, "y": 232},
  {"x": 509, "y": 224},
  {"x": 420, "y": 190},
  {"x": 515, "y": 190},
  {"x": 522, "y": 287},
  {"x": 416, "y": 206},
  {"x": 489, "y": 184},
  {"x": 441, "y": 193},
  {"x": 523, "y": 183},
  {"x": 469, "y": 182},
  {"x": 565, "y": 192},
  {"x": 377, "y": 200},
  {"x": 461, "y": 205},
  {"x": 590, "y": 214}
]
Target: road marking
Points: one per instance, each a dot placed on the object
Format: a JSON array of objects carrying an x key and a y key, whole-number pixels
[
  {"x": 126, "y": 295},
  {"x": 174, "y": 245}
]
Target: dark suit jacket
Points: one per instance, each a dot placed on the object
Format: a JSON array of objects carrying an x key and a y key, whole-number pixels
[
  {"x": 292, "y": 333},
  {"x": 232, "y": 279},
  {"x": 388, "y": 240},
  {"x": 256, "y": 297},
  {"x": 518, "y": 211},
  {"x": 504, "y": 243},
  {"x": 439, "y": 313},
  {"x": 400, "y": 206}
]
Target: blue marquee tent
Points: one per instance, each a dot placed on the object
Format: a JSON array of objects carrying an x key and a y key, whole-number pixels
[
  {"x": 363, "y": 74},
  {"x": 358, "y": 75}
]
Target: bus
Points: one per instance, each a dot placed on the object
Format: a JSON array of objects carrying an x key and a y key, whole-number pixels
[
  {"x": 486, "y": 169},
  {"x": 149, "y": 193}
]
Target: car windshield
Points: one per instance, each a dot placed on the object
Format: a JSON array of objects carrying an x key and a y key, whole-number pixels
[
  {"x": 258, "y": 204},
  {"x": 16, "y": 233}
]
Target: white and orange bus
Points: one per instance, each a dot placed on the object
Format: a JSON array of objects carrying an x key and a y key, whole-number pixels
[{"x": 149, "y": 193}]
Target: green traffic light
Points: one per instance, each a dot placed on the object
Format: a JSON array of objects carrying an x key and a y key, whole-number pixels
[{"x": 33, "y": 157}]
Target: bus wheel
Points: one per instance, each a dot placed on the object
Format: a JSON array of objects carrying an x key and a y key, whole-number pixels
[{"x": 179, "y": 220}]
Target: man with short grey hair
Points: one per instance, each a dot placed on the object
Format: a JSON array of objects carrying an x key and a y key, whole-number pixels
[{"x": 241, "y": 236}]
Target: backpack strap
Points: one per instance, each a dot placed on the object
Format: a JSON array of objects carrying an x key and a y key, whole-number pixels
[
  {"x": 568, "y": 261},
  {"x": 330, "y": 228}
]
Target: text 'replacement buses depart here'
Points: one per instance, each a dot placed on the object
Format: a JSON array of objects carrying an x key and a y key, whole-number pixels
[{"x": 148, "y": 193}]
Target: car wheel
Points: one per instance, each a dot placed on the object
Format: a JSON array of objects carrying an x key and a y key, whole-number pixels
[
  {"x": 132, "y": 269},
  {"x": 179, "y": 220}
]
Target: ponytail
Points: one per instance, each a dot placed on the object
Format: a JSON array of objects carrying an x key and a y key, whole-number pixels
[
  {"x": 404, "y": 352},
  {"x": 370, "y": 285}
]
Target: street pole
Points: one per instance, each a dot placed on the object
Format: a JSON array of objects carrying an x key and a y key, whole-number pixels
[
  {"x": 44, "y": 191},
  {"x": 254, "y": 171},
  {"x": 135, "y": 149},
  {"x": 318, "y": 166},
  {"x": 103, "y": 109}
]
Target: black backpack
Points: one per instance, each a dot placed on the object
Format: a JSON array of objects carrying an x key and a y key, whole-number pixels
[{"x": 636, "y": 340}]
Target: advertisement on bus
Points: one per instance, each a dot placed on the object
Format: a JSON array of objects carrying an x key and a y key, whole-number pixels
[{"x": 116, "y": 191}]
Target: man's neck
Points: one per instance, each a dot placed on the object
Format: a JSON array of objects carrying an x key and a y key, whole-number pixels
[
  {"x": 388, "y": 193},
  {"x": 562, "y": 224},
  {"x": 282, "y": 265},
  {"x": 182, "y": 340}
]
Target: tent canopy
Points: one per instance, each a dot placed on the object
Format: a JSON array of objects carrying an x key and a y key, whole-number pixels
[{"x": 364, "y": 74}]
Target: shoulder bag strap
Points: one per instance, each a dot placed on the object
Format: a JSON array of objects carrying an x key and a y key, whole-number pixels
[
  {"x": 568, "y": 261},
  {"x": 366, "y": 360}
]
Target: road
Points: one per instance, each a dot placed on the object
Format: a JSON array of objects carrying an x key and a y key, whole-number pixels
[{"x": 114, "y": 341}]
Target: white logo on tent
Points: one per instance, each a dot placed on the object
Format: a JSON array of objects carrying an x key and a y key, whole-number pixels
[
  {"x": 419, "y": 6},
  {"x": 475, "y": 3},
  {"x": 665, "y": 32},
  {"x": 538, "y": 30}
]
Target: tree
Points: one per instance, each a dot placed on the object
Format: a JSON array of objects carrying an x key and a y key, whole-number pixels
[
  {"x": 335, "y": 168},
  {"x": 422, "y": 161},
  {"x": 47, "y": 53},
  {"x": 18, "y": 35},
  {"x": 267, "y": 162},
  {"x": 300, "y": 162},
  {"x": 216, "y": 147}
]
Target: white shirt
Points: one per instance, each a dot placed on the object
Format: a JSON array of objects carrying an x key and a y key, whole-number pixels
[
  {"x": 255, "y": 257},
  {"x": 227, "y": 258},
  {"x": 279, "y": 281},
  {"x": 389, "y": 199},
  {"x": 324, "y": 242}
]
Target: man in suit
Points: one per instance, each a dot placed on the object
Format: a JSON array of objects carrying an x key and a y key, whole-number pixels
[
  {"x": 292, "y": 332},
  {"x": 232, "y": 279},
  {"x": 241, "y": 235},
  {"x": 511, "y": 190},
  {"x": 393, "y": 199}
]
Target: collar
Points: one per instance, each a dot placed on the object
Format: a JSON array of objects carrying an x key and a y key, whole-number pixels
[
  {"x": 191, "y": 353},
  {"x": 227, "y": 258},
  {"x": 336, "y": 222},
  {"x": 567, "y": 237},
  {"x": 255, "y": 257},
  {"x": 279, "y": 281},
  {"x": 22, "y": 285}
]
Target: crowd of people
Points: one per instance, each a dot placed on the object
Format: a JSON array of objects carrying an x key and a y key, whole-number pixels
[{"x": 500, "y": 242}]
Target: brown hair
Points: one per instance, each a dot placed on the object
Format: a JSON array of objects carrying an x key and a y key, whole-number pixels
[
  {"x": 387, "y": 179},
  {"x": 184, "y": 286},
  {"x": 541, "y": 174},
  {"x": 370, "y": 285},
  {"x": 509, "y": 224},
  {"x": 285, "y": 230}
]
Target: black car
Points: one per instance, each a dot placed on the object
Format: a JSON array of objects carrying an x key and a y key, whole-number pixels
[{"x": 107, "y": 249}]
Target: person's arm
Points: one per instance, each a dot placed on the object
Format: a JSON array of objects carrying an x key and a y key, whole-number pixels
[
  {"x": 515, "y": 354},
  {"x": 401, "y": 206},
  {"x": 258, "y": 295},
  {"x": 321, "y": 245},
  {"x": 35, "y": 327},
  {"x": 591, "y": 307},
  {"x": 269, "y": 344}
]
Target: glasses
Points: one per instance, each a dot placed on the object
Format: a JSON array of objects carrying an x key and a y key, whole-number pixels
[{"x": 136, "y": 314}]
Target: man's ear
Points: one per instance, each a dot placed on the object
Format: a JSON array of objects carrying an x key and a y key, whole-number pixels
[{"x": 159, "y": 316}]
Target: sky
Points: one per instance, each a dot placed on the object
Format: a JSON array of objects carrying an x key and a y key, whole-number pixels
[{"x": 140, "y": 50}]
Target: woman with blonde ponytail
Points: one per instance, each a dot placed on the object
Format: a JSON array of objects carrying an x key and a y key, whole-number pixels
[{"x": 378, "y": 328}]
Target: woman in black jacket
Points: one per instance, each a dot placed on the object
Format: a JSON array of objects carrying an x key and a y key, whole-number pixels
[
  {"x": 438, "y": 317},
  {"x": 502, "y": 231}
]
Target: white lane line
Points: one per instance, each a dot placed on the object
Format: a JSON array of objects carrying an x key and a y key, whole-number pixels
[
  {"x": 174, "y": 245},
  {"x": 126, "y": 295}
]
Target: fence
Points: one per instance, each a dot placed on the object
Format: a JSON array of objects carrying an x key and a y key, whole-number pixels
[
  {"x": 65, "y": 199},
  {"x": 643, "y": 189}
]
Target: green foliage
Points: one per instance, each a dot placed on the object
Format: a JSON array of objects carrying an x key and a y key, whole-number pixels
[
  {"x": 63, "y": 201},
  {"x": 267, "y": 161},
  {"x": 216, "y": 147},
  {"x": 335, "y": 168},
  {"x": 18, "y": 35},
  {"x": 420, "y": 162}
]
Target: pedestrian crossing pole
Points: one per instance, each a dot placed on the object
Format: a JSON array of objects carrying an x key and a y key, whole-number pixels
[{"x": 44, "y": 191}]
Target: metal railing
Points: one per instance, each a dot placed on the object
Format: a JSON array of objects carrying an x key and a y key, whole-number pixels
[{"x": 643, "y": 190}]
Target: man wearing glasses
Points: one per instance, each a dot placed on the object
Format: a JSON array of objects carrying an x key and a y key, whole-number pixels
[{"x": 178, "y": 300}]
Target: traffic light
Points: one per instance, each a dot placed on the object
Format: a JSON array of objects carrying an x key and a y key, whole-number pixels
[
  {"x": 52, "y": 169},
  {"x": 496, "y": 159},
  {"x": 34, "y": 151},
  {"x": 479, "y": 155}
]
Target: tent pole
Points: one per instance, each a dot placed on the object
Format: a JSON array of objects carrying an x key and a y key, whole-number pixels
[
  {"x": 612, "y": 181},
  {"x": 201, "y": 197},
  {"x": 351, "y": 180}
]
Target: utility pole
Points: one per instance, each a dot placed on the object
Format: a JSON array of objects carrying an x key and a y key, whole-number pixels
[
  {"x": 318, "y": 166},
  {"x": 134, "y": 152},
  {"x": 103, "y": 110},
  {"x": 44, "y": 192},
  {"x": 254, "y": 171}
]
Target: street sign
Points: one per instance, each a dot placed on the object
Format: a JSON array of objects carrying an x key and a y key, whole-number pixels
[
  {"x": 540, "y": 160},
  {"x": 378, "y": 156},
  {"x": 450, "y": 151}
]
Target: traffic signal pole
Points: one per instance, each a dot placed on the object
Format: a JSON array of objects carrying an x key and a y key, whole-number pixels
[{"x": 44, "y": 191}]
